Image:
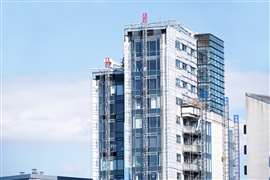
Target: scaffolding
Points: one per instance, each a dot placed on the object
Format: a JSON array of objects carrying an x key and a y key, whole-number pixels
[
  {"x": 107, "y": 88},
  {"x": 194, "y": 145},
  {"x": 145, "y": 97},
  {"x": 225, "y": 132},
  {"x": 236, "y": 158}
]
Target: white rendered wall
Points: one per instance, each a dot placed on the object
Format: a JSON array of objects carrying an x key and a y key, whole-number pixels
[
  {"x": 258, "y": 117},
  {"x": 217, "y": 145},
  {"x": 128, "y": 114},
  {"x": 170, "y": 109},
  {"x": 95, "y": 131}
]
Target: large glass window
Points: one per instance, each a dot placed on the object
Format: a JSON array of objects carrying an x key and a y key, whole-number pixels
[
  {"x": 138, "y": 48},
  {"x": 153, "y": 122},
  {"x": 120, "y": 89},
  {"x": 153, "y": 160},
  {"x": 152, "y": 48},
  {"x": 137, "y": 123},
  {"x": 154, "y": 102},
  {"x": 153, "y": 141}
]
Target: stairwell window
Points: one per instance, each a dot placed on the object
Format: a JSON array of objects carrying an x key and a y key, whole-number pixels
[
  {"x": 178, "y": 157},
  {"x": 178, "y": 176},
  {"x": 178, "y": 139},
  {"x": 177, "y": 44},
  {"x": 178, "y": 120},
  {"x": 178, "y": 64}
]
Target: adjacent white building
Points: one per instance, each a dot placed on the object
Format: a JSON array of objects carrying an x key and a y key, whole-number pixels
[{"x": 256, "y": 133}]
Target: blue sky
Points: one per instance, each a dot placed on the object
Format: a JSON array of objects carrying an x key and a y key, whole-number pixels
[{"x": 49, "y": 48}]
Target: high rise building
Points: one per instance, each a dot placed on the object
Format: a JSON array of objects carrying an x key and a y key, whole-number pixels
[
  {"x": 108, "y": 110},
  {"x": 168, "y": 133},
  {"x": 211, "y": 71},
  {"x": 255, "y": 153}
]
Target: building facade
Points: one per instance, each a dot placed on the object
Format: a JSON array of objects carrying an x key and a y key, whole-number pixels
[
  {"x": 108, "y": 90},
  {"x": 256, "y": 152},
  {"x": 211, "y": 71},
  {"x": 169, "y": 133}
]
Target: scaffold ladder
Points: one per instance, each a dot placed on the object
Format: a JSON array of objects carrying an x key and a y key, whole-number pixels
[{"x": 107, "y": 89}]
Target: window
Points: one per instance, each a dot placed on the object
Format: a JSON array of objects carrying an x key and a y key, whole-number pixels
[
  {"x": 138, "y": 48},
  {"x": 137, "y": 103},
  {"x": 152, "y": 48},
  {"x": 119, "y": 89},
  {"x": 152, "y": 65},
  {"x": 154, "y": 102},
  {"x": 184, "y": 47},
  {"x": 178, "y": 82},
  {"x": 193, "y": 89},
  {"x": 245, "y": 129},
  {"x": 153, "y": 122},
  {"x": 138, "y": 142},
  {"x": 178, "y": 176},
  {"x": 178, "y": 120},
  {"x": 177, "y": 45},
  {"x": 245, "y": 149},
  {"x": 152, "y": 141},
  {"x": 192, "y": 52},
  {"x": 178, "y": 101},
  {"x": 178, "y": 139},
  {"x": 137, "y": 123},
  {"x": 112, "y": 90},
  {"x": 152, "y": 84},
  {"x": 184, "y": 84},
  {"x": 153, "y": 160},
  {"x": 192, "y": 70},
  {"x": 120, "y": 164},
  {"x": 184, "y": 66},
  {"x": 245, "y": 170},
  {"x": 178, "y": 63},
  {"x": 178, "y": 157}
]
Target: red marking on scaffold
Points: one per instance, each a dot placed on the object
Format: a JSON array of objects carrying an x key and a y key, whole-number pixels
[
  {"x": 107, "y": 62},
  {"x": 144, "y": 18}
]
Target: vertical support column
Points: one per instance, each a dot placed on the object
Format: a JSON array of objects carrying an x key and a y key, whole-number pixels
[
  {"x": 225, "y": 158},
  {"x": 236, "y": 147}
]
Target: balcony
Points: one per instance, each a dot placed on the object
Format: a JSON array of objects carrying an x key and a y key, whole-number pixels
[
  {"x": 190, "y": 167},
  {"x": 195, "y": 148},
  {"x": 189, "y": 129},
  {"x": 190, "y": 111}
]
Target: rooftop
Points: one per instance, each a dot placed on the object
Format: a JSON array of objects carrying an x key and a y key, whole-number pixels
[
  {"x": 259, "y": 97},
  {"x": 158, "y": 25}
]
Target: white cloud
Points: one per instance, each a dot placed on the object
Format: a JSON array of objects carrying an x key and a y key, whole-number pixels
[
  {"x": 47, "y": 111},
  {"x": 240, "y": 82}
]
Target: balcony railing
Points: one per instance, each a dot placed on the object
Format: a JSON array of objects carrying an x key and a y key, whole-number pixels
[
  {"x": 190, "y": 167},
  {"x": 191, "y": 148},
  {"x": 189, "y": 129},
  {"x": 190, "y": 111}
]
